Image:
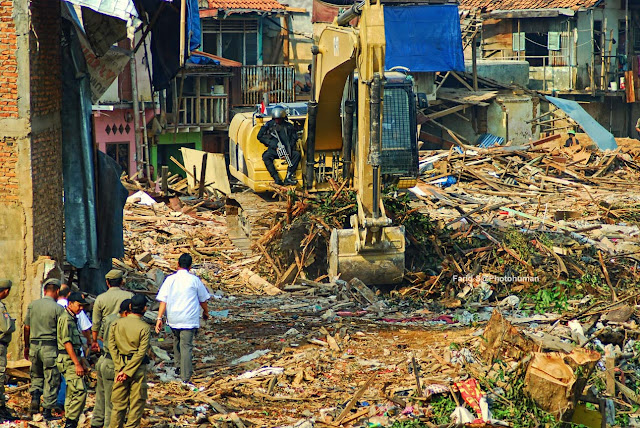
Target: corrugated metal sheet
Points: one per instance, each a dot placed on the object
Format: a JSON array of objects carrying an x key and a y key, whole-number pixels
[
  {"x": 122, "y": 9},
  {"x": 489, "y": 5},
  {"x": 489, "y": 140},
  {"x": 264, "y": 5},
  {"x": 275, "y": 80}
]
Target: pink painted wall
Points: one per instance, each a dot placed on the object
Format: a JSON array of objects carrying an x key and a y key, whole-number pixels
[{"x": 117, "y": 127}]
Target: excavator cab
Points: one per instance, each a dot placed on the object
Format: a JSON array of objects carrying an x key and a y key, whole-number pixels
[{"x": 399, "y": 163}]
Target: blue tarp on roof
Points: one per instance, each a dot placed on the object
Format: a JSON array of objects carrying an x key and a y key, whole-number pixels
[
  {"x": 597, "y": 132},
  {"x": 423, "y": 38}
]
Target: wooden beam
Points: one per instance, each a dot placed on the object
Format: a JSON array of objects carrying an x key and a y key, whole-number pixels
[
  {"x": 461, "y": 80},
  {"x": 446, "y": 112}
]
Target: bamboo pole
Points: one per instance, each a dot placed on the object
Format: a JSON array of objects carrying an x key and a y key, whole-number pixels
[{"x": 183, "y": 29}]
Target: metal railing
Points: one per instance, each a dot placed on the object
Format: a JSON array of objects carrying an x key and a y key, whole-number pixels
[
  {"x": 204, "y": 110},
  {"x": 277, "y": 81}
]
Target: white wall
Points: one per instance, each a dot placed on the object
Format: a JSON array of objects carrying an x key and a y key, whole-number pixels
[{"x": 613, "y": 13}]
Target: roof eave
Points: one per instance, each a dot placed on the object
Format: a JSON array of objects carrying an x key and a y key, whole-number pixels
[{"x": 529, "y": 13}]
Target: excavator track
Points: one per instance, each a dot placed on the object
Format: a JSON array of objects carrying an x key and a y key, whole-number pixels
[{"x": 250, "y": 216}]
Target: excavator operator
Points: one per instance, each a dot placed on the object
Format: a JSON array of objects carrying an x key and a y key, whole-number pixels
[{"x": 280, "y": 130}]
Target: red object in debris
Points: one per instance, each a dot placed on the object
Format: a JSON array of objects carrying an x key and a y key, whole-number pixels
[{"x": 471, "y": 394}]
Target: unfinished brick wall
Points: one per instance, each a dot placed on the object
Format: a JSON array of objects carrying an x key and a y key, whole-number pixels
[
  {"x": 8, "y": 62},
  {"x": 44, "y": 57},
  {"x": 8, "y": 179},
  {"x": 46, "y": 144},
  {"x": 31, "y": 204},
  {"x": 48, "y": 214}
]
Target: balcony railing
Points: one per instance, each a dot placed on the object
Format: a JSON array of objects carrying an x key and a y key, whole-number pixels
[
  {"x": 277, "y": 81},
  {"x": 207, "y": 111}
]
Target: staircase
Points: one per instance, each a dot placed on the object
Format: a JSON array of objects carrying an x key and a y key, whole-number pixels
[{"x": 470, "y": 26}]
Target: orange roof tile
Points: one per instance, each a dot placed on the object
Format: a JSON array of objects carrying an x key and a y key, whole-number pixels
[
  {"x": 491, "y": 5},
  {"x": 261, "y": 5}
]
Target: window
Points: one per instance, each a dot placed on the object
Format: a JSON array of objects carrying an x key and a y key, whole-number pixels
[
  {"x": 536, "y": 48},
  {"x": 597, "y": 34},
  {"x": 235, "y": 39},
  {"x": 120, "y": 153},
  {"x": 518, "y": 42}
]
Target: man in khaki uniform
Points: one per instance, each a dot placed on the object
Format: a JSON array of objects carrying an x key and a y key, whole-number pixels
[
  {"x": 106, "y": 372},
  {"x": 7, "y": 327},
  {"x": 68, "y": 361},
  {"x": 129, "y": 344},
  {"x": 108, "y": 303},
  {"x": 41, "y": 348}
]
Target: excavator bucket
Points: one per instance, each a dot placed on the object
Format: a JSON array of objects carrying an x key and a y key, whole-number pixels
[{"x": 379, "y": 264}]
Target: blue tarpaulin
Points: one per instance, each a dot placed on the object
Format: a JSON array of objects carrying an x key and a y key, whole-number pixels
[
  {"x": 93, "y": 194},
  {"x": 603, "y": 138},
  {"x": 165, "y": 43},
  {"x": 423, "y": 38}
]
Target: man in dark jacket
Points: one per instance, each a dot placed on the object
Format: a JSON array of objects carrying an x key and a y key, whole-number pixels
[{"x": 288, "y": 136}]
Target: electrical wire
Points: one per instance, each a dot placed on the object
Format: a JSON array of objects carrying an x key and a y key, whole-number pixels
[{"x": 288, "y": 30}]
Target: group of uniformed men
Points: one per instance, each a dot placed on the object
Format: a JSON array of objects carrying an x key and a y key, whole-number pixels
[{"x": 54, "y": 347}]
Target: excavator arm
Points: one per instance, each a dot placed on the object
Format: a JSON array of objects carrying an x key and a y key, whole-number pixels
[{"x": 371, "y": 250}]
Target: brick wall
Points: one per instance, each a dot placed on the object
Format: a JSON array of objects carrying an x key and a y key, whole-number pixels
[
  {"x": 8, "y": 63},
  {"x": 44, "y": 56},
  {"x": 46, "y": 142},
  {"x": 46, "y": 170},
  {"x": 8, "y": 179}
]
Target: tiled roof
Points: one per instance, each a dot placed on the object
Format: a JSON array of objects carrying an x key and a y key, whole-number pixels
[
  {"x": 491, "y": 5},
  {"x": 262, "y": 5}
]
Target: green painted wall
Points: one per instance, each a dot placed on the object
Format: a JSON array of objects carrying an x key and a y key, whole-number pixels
[{"x": 165, "y": 148}]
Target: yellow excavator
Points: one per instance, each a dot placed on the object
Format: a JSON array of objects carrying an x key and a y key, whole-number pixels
[{"x": 379, "y": 147}]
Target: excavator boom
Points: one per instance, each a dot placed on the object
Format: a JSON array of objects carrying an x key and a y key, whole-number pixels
[{"x": 372, "y": 249}]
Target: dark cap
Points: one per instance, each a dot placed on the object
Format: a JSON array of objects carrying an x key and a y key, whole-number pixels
[
  {"x": 5, "y": 284},
  {"x": 55, "y": 281},
  {"x": 76, "y": 297},
  {"x": 114, "y": 274},
  {"x": 125, "y": 305},
  {"x": 138, "y": 302}
]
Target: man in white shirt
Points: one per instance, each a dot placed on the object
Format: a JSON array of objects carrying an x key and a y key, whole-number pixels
[{"x": 181, "y": 297}]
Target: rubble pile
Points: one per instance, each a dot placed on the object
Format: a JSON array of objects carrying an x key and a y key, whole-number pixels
[{"x": 518, "y": 309}]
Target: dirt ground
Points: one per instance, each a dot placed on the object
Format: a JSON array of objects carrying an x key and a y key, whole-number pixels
[{"x": 315, "y": 377}]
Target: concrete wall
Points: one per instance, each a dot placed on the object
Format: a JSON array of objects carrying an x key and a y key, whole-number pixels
[
  {"x": 301, "y": 35},
  {"x": 519, "y": 109},
  {"x": 31, "y": 212},
  {"x": 548, "y": 78},
  {"x": 504, "y": 71},
  {"x": 507, "y": 117}
]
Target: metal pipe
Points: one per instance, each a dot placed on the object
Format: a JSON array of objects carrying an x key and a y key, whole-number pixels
[
  {"x": 312, "y": 114},
  {"x": 315, "y": 50},
  {"x": 136, "y": 115},
  {"x": 347, "y": 144},
  {"x": 348, "y": 15},
  {"x": 375, "y": 142}
]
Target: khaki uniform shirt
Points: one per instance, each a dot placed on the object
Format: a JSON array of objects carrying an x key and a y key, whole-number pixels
[
  {"x": 7, "y": 324},
  {"x": 42, "y": 318},
  {"x": 108, "y": 303},
  {"x": 68, "y": 331},
  {"x": 129, "y": 343},
  {"x": 104, "y": 330}
]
